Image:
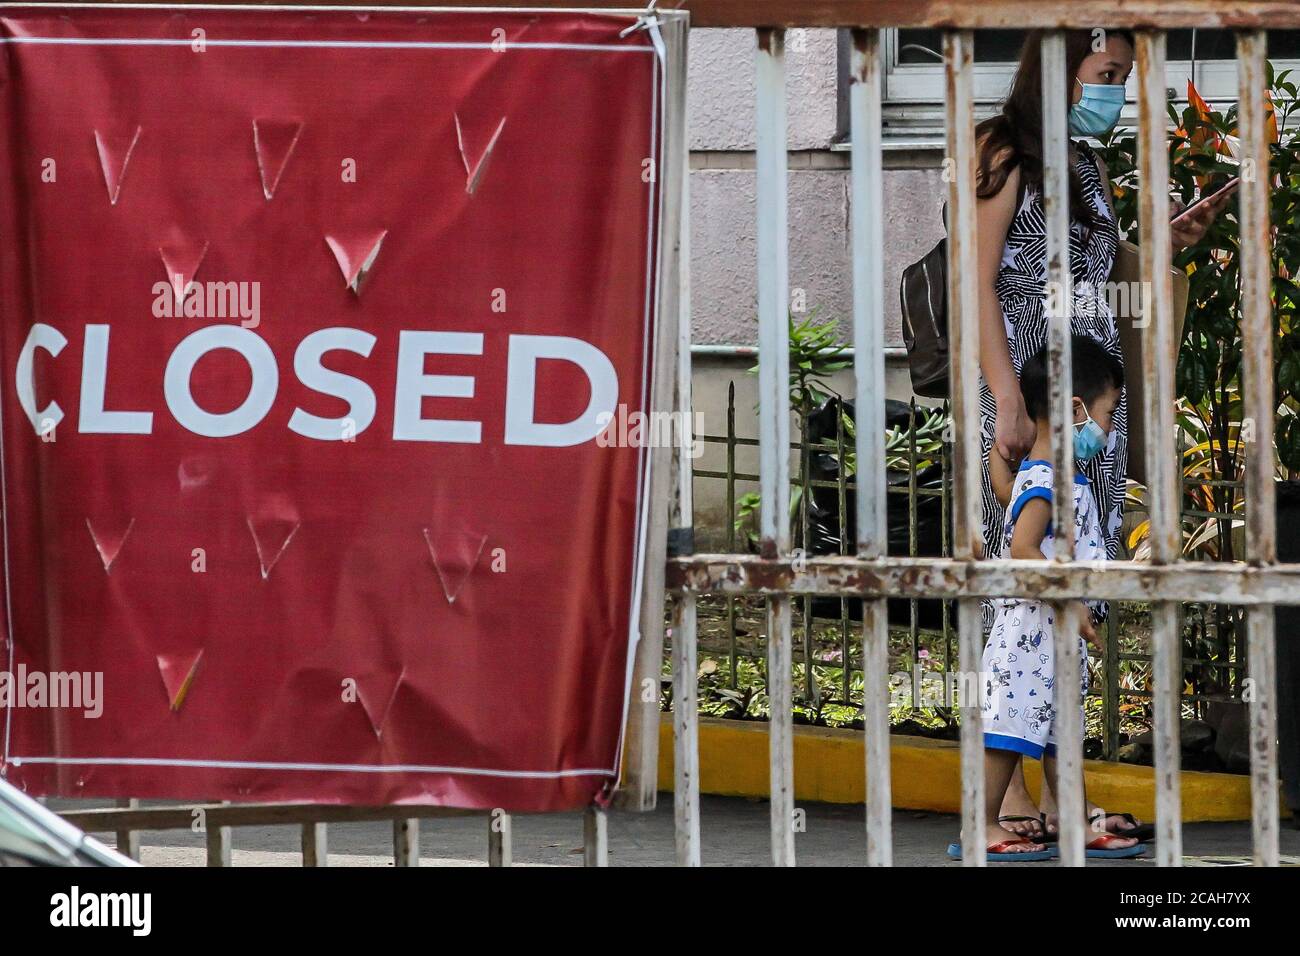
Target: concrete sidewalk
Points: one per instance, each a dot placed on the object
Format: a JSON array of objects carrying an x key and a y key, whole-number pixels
[{"x": 734, "y": 832}]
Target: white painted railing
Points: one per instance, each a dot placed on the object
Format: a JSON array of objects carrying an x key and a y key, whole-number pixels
[{"x": 1164, "y": 582}]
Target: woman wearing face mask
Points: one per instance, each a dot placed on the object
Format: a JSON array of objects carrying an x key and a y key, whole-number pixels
[{"x": 1012, "y": 263}]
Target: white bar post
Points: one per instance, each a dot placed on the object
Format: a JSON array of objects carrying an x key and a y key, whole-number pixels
[
  {"x": 315, "y": 844},
  {"x": 500, "y": 845},
  {"x": 963, "y": 345},
  {"x": 128, "y": 841},
  {"x": 1060, "y": 302},
  {"x": 686, "y": 734},
  {"x": 1163, "y": 492},
  {"x": 219, "y": 840},
  {"x": 774, "y": 422},
  {"x": 866, "y": 209},
  {"x": 406, "y": 842},
  {"x": 639, "y": 786},
  {"x": 1257, "y": 388},
  {"x": 595, "y": 837}
]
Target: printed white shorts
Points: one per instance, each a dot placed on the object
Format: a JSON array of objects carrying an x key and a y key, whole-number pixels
[{"x": 1018, "y": 703}]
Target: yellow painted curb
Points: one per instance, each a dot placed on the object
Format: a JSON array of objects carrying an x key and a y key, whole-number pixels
[{"x": 829, "y": 767}]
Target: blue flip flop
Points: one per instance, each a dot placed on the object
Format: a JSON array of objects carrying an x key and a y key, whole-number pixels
[{"x": 995, "y": 856}]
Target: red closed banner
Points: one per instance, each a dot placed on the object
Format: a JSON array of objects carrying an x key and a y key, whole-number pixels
[{"x": 310, "y": 323}]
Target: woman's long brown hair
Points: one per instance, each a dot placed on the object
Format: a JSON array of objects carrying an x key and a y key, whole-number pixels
[{"x": 1014, "y": 137}]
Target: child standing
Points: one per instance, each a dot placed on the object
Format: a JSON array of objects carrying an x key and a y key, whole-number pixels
[{"x": 1019, "y": 704}]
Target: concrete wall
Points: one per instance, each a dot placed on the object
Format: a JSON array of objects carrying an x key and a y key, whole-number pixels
[
  {"x": 721, "y": 88},
  {"x": 723, "y": 256},
  {"x": 710, "y": 380}
]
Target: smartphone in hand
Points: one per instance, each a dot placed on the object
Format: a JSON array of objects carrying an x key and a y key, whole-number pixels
[{"x": 1226, "y": 189}]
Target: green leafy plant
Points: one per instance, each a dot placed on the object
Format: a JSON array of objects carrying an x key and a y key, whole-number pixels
[
  {"x": 747, "y": 508},
  {"x": 816, "y": 354},
  {"x": 1215, "y": 435},
  {"x": 931, "y": 431},
  {"x": 1202, "y": 151}
]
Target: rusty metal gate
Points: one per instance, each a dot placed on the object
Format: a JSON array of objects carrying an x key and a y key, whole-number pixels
[{"x": 1259, "y": 583}]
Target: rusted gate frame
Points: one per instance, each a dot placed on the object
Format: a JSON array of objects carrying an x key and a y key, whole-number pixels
[
  {"x": 777, "y": 574},
  {"x": 937, "y": 14},
  {"x": 1259, "y": 584},
  {"x": 216, "y": 820}
]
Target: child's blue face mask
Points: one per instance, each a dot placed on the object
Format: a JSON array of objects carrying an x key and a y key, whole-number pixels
[
  {"x": 1089, "y": 439},
  {"x": 1098, "y": 109}
]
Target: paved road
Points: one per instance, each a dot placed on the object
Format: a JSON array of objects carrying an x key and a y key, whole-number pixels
[{"x": 734, "y": 833}]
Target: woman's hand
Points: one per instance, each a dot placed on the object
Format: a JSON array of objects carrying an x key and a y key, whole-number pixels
[
  {"x": 1192, "y": 228},
  {"x": 1002, "y": 476},
  {"x": 1014, "y": 431}
]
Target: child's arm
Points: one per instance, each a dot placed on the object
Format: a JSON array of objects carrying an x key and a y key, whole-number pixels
[
  {"x": 1087, "y": 629},
  {"x": 1000, "y": 476},
  {"x": 1031, "y": 528},
  {"x": 1027, "y": 543}
]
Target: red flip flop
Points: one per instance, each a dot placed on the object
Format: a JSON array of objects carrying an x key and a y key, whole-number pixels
[
  {"x": 1101, "y": 847},
  {"x": 999, "y": 852}
]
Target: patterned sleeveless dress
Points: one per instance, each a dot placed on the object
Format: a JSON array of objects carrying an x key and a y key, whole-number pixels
[{"x": 1020, "y": 284}]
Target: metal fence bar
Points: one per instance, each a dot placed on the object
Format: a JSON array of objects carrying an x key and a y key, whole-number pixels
[
  {"x": 685, "y": 664},
  {"x": 686, "y": 732},
  {"x": 595, "y": 837},
  {"x": 219, "y": 846},
  {"x": 773, "y": 296},
  {"x": 639, "y": 786},
  {"x": 774, "y": 363},
  {"x": 913, "y": 608},
  {"x": 406, "y": 842},
  {"x": 315, "y": 844},
  {"x": 935, "y": 578},
  {"x": 998, "y": 14},
  {"x": 842, "y": 502},
  {"x": 312, "y": 821},
  {"x": 810, "y": 695},
  {"x": 867, "y": 232},
  {"x": 774, "y": 420},
  {"x": 963, "y": 333},
  {"x": 1059, "y": 292},
  {"x": 128, "y": 841},
  {"x": 500, "y": 843},
  {"x": 1257, "y": 393},
  {"x": 733, "y": 655},
  {"x": 1110, "y": 695},
  {"x": 972, "y": 14},
  {"x": 1264, "y": 807},
  {"x": 945, "y": 547},
  {"x": 1068, "y": 721},
  {"x": 1163, "y": 490}
]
